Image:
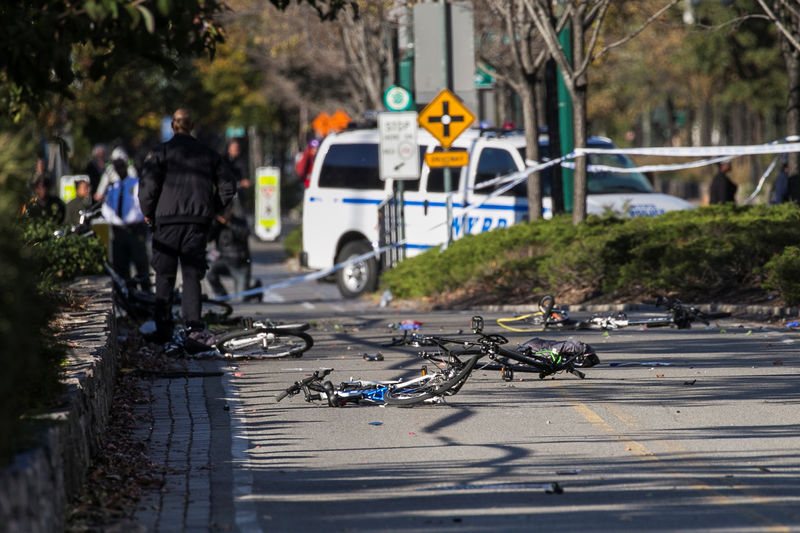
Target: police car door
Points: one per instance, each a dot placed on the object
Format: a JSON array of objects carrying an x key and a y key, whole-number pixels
[
  {"x": 490, "y": 207},
  {"x": 426, "y": 208}
]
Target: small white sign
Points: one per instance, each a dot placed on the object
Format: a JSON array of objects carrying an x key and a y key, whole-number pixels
[
  {"x": 398, "y": 149},
  {"x": 268, "y": 203}
]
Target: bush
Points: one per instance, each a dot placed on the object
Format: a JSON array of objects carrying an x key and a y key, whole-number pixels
[
  {"x": 29, "y": 354},
  {"x": 783, "y": 274},
  {"x": 293, "y": 242},
  {"x": 62, "y": 259},
  {"x": 704, "y": 253}
]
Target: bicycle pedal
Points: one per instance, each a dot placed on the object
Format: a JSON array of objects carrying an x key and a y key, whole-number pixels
[
  {"x": 507, "y": 374},
  {"x": 424, "y": 370}
]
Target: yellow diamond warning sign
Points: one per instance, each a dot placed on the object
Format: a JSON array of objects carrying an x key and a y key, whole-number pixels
[{"x": 446, "y": 118}]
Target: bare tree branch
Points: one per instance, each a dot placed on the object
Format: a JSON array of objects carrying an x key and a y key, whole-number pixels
[
  {"x": 644, "y": 25},
  {"x": 786, "y": 33},
  {"x": 598, "y": 24}
]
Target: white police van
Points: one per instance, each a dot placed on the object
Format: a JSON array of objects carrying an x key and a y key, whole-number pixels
[{"x": 341, "y": 201}]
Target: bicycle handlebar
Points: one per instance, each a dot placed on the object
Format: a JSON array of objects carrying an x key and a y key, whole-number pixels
[{"x": 303, "y": 383}]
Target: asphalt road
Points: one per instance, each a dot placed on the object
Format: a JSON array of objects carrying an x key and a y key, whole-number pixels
[{"x": 675, "y": 430}]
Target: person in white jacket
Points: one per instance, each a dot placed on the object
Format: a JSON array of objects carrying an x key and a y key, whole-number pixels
[
  {"x": 128, "y": 229},
  {"x": 111, "y": 175}
]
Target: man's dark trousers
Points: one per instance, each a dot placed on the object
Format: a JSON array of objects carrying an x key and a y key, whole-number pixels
[{"x": 174, "y": 243}]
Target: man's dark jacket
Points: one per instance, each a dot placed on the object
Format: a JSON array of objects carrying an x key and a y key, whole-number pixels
[{"x": 184, "y": 182}]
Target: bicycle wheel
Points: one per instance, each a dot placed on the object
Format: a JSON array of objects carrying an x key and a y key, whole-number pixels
[
  {"x": 264, "y": 343},
  {"x": 431, "y": 385}
]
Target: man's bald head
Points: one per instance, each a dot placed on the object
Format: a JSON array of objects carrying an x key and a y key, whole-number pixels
[{"x": 182, "y": 121}]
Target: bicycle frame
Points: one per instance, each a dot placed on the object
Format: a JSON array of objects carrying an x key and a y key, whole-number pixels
[{"x": 370, "y": 392}]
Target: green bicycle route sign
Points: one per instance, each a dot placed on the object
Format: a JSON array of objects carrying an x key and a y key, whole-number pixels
[{"x": 397, "y": 98}]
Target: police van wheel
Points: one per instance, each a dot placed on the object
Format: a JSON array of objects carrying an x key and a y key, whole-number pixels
[{"x": 358, "y": 278}]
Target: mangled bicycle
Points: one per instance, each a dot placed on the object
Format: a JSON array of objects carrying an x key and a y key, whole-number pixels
[
  {"x": 676, "y": 315},
  {"x": 453, "y": 359}
]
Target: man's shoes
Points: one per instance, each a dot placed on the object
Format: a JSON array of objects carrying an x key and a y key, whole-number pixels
[{"x": 254, "y": 297}]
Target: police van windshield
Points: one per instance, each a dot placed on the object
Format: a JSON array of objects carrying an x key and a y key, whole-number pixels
[
  {"x": 603, "y": 182},
  {"x": 610, "y": 182}
]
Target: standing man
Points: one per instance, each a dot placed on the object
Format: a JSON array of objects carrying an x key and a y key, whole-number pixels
[
  {"x": 96, "y": 166},
  {"x": 81, "y": 202},
  {"x": 184, "y": 185},
  {"x": 723, "y": 190},
  {"x": 242, "y": 204},
  {"x": 128, "y": 230}
]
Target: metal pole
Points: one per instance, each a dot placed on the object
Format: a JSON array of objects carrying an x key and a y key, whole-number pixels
[
  {"x": 565, "y": 120},
  {"x": 401, "y": 220},
  {"x": 448, "y": 81}
]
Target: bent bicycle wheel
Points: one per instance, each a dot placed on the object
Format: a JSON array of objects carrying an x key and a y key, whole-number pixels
[
  {"x": 437, "y": 384},
  {"x": 261, "y": 343}
]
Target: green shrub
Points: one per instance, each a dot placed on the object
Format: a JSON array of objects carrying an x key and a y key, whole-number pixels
[
  {"x": 29, "y": 354},
  {"x": 293, "y": 242},
  {"x": 783, "y": 274},
  {"x": 62, "y": 259},
  {"x": 703, "y": 253}
]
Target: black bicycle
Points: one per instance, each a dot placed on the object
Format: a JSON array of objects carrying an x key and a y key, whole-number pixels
[
  {"x": 538, "y": 356},
  {"x": 677, "y": 315}
]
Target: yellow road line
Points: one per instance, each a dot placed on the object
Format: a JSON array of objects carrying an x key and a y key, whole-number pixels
[{"x": 640, "y": 450}]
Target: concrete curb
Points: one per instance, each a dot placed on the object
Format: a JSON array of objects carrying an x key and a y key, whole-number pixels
[{"x": 35, "y": 489}]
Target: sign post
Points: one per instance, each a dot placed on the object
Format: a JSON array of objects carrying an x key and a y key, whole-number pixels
[
  {"x": 268, "y": 203},
  {"x": 445, "y": 117},
  {"x": 398, "y": 153}
]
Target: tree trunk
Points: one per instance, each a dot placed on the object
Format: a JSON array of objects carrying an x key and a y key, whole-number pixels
[
  {"x": 527, "y": 94},
  {"x": 792, "y": 60},
  {"x": 580, "y": 177},
  {"x": 579, "y": 117}
]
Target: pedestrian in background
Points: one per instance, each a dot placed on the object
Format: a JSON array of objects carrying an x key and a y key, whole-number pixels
[
  {"x": 305, "y": 164},
  {"x": 780, "y": 189},
  {"x": 111, "y": 174},
  {"x": 184, "y": 185},
  {"x": 230, "y": 234},
  {"x": 723, "y": 190},
  {"x": 81, "y": 202},
  {"x": 129, "y": 232},
  {"x": 44, "y": 205},
  {"x": 96, "y": 166},
  {"x": 243, "y": 203}
]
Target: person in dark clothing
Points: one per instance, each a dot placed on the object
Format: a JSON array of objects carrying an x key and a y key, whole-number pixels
[
  {"x": 184, "y": 184},
  {"x": 96, "y": 166},
  {"x": 243, "y": 202},
  {"x": 44, "y": 205},
  {"x": 723, "y": 190},
  {"x": 230, "y": 233},
  {"x": 793, "y": 188},
  {"x": 81, "y": 202}
]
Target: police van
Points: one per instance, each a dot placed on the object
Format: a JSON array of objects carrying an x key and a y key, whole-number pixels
[{"x": 342, "y": 198}]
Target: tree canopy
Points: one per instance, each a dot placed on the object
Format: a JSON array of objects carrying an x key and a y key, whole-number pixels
[{"x": 40, "y": 37}]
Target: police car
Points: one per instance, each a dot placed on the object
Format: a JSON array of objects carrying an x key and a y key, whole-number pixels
[{"x": 341, "y": 201}]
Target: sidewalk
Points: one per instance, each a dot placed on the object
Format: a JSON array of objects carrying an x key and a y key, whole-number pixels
[{"x": 190, "y": 437}]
